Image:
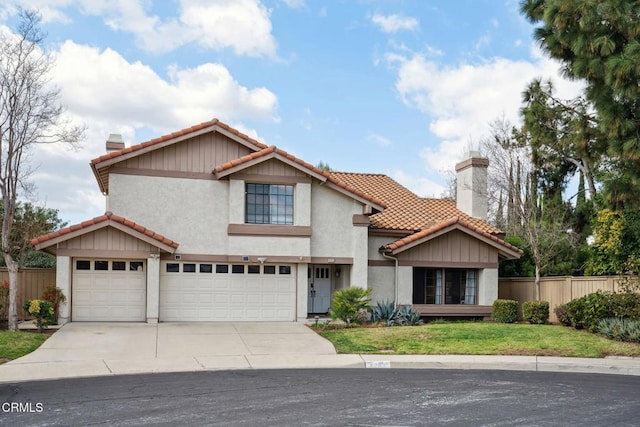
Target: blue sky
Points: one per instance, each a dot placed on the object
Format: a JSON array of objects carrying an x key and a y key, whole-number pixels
[{"x": 401, "y": 87}]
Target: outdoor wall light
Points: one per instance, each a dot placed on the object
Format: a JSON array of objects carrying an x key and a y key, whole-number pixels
[{"x": 262, "y": 259}]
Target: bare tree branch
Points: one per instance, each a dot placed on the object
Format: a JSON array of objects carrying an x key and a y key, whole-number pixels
[{"x": 30, "y": 114}]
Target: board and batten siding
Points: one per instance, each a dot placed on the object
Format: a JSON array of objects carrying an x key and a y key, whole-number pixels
[
  {"x": 107, "y": 241},
  {"x": 273, "y": 167},
  {"x": 200, "y": 154},
  {"x": 451, "y": 249}
]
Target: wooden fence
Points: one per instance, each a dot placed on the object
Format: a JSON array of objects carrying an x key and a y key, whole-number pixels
[
  {"x": 556, "y": 290},
  {"x": 31, "y": 284}
]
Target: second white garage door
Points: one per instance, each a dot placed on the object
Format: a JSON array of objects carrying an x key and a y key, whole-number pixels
[{"x": 208, "y": 292}]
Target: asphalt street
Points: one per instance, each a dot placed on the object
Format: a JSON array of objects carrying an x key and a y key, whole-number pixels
[{"x": 350, "y": 397}]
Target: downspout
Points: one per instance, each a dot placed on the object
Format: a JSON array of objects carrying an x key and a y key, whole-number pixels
[{"x": 395, "y": 300}]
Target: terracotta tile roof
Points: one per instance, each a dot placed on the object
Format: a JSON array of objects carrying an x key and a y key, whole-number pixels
[
  {"x": 443, "y": 225},
  {"x": 405, "y": 210},
  {"x": 305, "y": 165},
  {"x": 108, "y": 216},
  {"x": 259, "y": 145}
]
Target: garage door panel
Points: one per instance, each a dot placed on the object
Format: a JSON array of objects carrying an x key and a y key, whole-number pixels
[
  {"x": 226, "y": 296},
  {"x": 108, "y": 295}
]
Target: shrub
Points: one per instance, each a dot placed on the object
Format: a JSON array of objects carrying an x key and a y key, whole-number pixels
[
  {"x": 42, "y": 311},
  {"x": 625, "y": 305},
  {"x": 348, "y": 303},
  {"x": 409, "y": 317},
  {"x": 55, "y": 296},
  {"x": 536, "y": 312},
  {"x": 562, "y": 314},
  {"x": 4, "y": 299},
  {"x": 586, "y": 312},
  {"x": 505, "y": 311},
  {"x": 620, "y": 329},
  {"x": 386, "y": 312}
]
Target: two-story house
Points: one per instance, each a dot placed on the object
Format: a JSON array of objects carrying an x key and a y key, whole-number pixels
[{"x": 208, "y": 224}]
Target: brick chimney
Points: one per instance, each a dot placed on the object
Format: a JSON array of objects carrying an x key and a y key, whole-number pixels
[
  {"x": 471, "y": 185},
  {"x": 114, "y": 143}
]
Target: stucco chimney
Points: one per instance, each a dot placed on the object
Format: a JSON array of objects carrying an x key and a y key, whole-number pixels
[
  {"x": 114, "y": 143},
  {"x": 471, "y": 185}
]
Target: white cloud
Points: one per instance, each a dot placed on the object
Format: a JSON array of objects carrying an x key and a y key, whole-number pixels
[
  {"x": 394, "y": 23},
  {"x": 101, "y": 83},
  {"x": 112, "y": 95},
  {"x": 421, "y": 186},
  {"x": 241, "y": 25},
  {"x": 461, "y": 100},
  {"x": 379, "y": 140},
  {"x": 295, "y": 4}
]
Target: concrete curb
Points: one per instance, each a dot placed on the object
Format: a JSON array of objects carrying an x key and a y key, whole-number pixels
[{"x": 18, "y": 371}]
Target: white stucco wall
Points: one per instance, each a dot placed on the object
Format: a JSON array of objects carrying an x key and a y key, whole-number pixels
[
  {"x": 375, "y": 243},
  {"x": 487, "y": 286},
  {"x": 382, "y": 283},
  {"x": 190, "y": 211},
  {"x": 405, "y": 285},
  {"x": 236, "y": 201},
  {"x": 153, "y": 289},
  {"x": 268, "y": 245},
  {"x": 301, "y": 292},
  {"x": 63, "y": 281},
  {"x": 302, "y": 204},
  {"x": 332, "y": 222}
]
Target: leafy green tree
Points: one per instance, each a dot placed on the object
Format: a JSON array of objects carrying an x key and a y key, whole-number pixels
[
  {"x": 599, "y": 42},
  {"x": 30, "y": 221},
  {"x": 616, "y": 249},
  {"x": 564, "y": 139}
]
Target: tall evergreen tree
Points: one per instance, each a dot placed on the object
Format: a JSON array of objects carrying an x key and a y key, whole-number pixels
[{"x": 599, "y": 42}]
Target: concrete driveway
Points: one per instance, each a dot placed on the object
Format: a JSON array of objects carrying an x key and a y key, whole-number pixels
[{"x": 86, "y": 349}]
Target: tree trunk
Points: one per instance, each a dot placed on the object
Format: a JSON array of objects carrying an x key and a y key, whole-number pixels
[
  {"x": 537, "y": 283},
  {"x": 12, "y": 268}
]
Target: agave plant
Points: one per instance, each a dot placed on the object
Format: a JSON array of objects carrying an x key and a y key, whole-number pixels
[
  {"x": 410, "y": 317},
  {"x": 385, "y": 311}
]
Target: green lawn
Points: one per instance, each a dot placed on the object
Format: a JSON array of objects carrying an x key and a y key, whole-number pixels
[
  {"x": 476, "y": 338},
  {"x": 17, "y": 344}
]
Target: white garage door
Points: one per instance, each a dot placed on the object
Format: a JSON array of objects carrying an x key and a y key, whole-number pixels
[
  {"x": 207, "y": 292},
  {"x": 108, "y": 290}
]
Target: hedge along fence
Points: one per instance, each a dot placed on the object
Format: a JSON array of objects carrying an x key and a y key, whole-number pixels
[
  {"x": 555, "y": 290},
  {"x": 31, "y": 284}
]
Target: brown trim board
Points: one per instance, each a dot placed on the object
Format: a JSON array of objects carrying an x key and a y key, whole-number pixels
[{"x": 269, "y": 230}]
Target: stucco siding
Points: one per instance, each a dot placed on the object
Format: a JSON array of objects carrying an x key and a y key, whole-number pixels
[
  {"x": 192, "y": 212},
  {"x": 268, "y": 245},
  {"x": 405, "y": 285},
  {"x": 382, "y": 283},
  {"x": 332, "y": 223},
  {"x": 487, "y": 286},
  {"x": 375, "y": 243}
]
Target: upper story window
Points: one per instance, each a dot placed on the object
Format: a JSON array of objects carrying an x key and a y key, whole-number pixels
[{"x": 269, "y": 204}]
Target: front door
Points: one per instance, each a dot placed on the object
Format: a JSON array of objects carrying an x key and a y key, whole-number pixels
[{"x": 319, "y": 289}]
